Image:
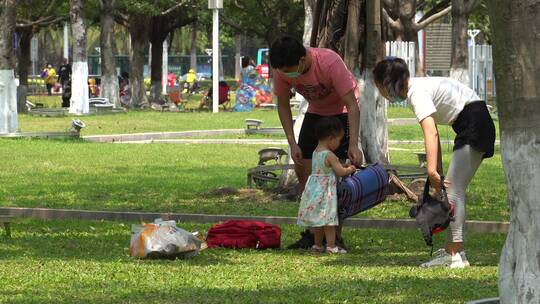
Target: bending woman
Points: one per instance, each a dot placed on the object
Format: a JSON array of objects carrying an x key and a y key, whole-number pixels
[{"x": 439, "y": 100}]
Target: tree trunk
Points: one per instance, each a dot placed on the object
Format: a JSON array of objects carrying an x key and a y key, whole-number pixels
[
  {"x": 193, "y": 51},
  {"x": 373, "y": 130},
  {"x": 8, "y": 88},
  {"x": 109, "y": 77},
  {"x": 138, "y": 31},
  {"x": 309, "y": 6},
  {"x": 459, "y": 55},
  {"x": 516, "y": 28},
  {"x": 25, "y": 35},
  {"x": 79, "y": 83},
  {"x": 156, "y": 70},
  {"x": 237, "y": 56}
]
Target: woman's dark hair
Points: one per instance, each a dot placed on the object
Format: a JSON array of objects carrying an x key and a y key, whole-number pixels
[
  {"x": 391, "y": 74},
  {"x": 286, "y": 51},
  {"x": 245, "y": 61},
  {"x": 328, "y": 126}
]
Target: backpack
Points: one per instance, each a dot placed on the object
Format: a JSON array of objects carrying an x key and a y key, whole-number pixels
[
  {"x": 244, "y": 234},
  {"x": 361, "y": 191},
  {"x": 431, "y": 214}
]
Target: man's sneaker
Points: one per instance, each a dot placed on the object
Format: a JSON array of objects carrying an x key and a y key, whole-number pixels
[
  {"x": 306, "y": 241},
  {"x": 335, "y": 249},
  {"x": 464, "y": 258},
  {"x": 444, "y": 259}
]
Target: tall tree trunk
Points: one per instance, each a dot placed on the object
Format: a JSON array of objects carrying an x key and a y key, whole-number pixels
[
  {"x": 156, "y": 70},
  {"x": 373, "y": 131},
  {"x": 458, "y": 60},
  {"x": 193, "y": 48},
  {"x": 8, "y": 88},
  {"x": 109, "y": 77},
  {"x": 516, "y": 28},
  {"x": 309, "y": 6},
  {"x": 25, "y": 35},
  {"x": 79, "y": 84},
  {"x": 138, "y": 31}
]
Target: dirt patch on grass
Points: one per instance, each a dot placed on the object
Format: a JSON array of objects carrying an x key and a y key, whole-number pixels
[{"x": 244, "y": 195}]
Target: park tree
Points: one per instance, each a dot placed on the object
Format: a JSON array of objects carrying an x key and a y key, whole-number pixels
[
  {"x": 353, "y": 29},
  {"x": 8, "y": 99},
  {"x": 79, "y": 83},
  {"x": 134, "y": 15},
  {"x": 144, "y": 19},
  {"x": 399, "y": 18},
  {"x": 265, "y": 19},
  {"x": 109, "y": 79},
  {"x": 32, "y": 17},
  {"x": 516, "y": 28},
  {"x": 461, "y": 10},
  {"x": 169, "y": 17}
]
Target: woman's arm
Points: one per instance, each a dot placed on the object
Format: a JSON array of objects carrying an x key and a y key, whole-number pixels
[
  {"x": 432, "y": 144},
  {"x": 333, "y": 162}
]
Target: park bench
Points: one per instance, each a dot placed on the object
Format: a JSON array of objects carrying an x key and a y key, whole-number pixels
[
  {"x": 6, "y": 221},
  {"x": 253, "y": 123}
]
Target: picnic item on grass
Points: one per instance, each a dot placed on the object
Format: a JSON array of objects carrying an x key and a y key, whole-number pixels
[
  {"x": 162, "y": 239},
  {"x": 362, "y": 190},
  {"x": 244, "y": 234}
]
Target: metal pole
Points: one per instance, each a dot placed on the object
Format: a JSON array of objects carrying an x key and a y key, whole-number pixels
[
  {"x": 215, "y": 61},
  {"x": 66, "y": 41},
  {"x": 165, "y": 67}
]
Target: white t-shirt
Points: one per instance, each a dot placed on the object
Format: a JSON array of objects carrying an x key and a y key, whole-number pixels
[{"x": 442, "y": 98}]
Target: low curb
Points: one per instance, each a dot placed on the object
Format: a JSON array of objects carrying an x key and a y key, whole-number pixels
[{"x": 45, "y": 213}]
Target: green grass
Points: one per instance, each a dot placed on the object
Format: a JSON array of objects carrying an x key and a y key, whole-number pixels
[
  {"x": 87, "y": 262},
  {"x": 178, "y": 178},
  {"x": 65, "y": 261}
]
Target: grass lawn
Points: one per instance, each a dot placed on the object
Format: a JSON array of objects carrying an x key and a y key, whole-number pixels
[
  {"x": 65, "y": 261},
  {"x": 179, "y": 178},
  {"x": 149, "y": 121}
]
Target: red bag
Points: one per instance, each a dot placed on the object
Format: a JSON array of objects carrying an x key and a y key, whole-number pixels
[{"x": 244, "y": 234}]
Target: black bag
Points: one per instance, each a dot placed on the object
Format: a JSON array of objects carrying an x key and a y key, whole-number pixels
[{"x": 431, "y": 214}]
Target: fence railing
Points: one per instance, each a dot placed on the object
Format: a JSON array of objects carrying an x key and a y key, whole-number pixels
[
  {"x": 404, "y": 50},
  {"x": 481, "y": 77}
]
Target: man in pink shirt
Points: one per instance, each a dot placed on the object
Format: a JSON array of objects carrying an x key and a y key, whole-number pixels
[{"x": 321, "y": 76}]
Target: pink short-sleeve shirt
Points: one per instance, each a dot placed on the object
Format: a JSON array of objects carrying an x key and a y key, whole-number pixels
[{"x": 323, "y": 85}]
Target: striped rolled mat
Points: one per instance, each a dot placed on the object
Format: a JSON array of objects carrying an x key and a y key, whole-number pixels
[{"x": 361, "y": 191}]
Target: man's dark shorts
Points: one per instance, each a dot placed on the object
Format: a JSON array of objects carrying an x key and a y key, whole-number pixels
[{"x": 308, "y": 142}]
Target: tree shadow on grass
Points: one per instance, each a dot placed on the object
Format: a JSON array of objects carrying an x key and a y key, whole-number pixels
[
  {"x": 385, "y": 289},
  {"x": 109, "y": 241}
]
